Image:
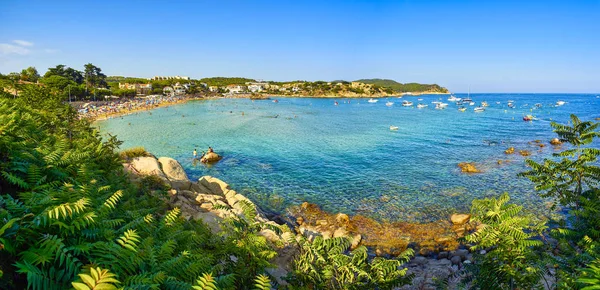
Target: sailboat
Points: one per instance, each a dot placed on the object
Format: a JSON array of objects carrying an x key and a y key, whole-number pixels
[{"x": 468, "y": 98}]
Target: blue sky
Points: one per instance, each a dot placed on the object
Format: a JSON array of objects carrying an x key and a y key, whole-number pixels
[{"x": 491, "y": 46}]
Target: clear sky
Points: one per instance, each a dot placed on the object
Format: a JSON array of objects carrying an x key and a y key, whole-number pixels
[{"x": 491, "y": 46}]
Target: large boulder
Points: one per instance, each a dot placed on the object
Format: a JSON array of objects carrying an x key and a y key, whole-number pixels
[
  {"x": 555, "y": 141},
  {"x": 147, "y": 166},
  {"x": 175, "y": 173},
  {"x": 211, "y": 157},
  {"x": 215, "y": 185},
  {"x": 460, "y": 219}
]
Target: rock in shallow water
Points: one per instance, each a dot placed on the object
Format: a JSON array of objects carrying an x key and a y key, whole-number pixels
[
  {"x": 468, "y": 167},
  {"x": 460, "y": 219}
]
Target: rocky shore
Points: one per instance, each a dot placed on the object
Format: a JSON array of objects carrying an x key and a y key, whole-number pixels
[{"x": 439, "y": 255}]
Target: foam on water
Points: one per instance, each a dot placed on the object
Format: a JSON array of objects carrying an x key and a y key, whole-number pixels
[{"x": 346, "y": 159}]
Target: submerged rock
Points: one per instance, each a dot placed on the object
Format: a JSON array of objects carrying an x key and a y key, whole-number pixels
[
  {"x": 524, "y": 153},
  {"x": 510, "y": 150},
  {"x": 468, "y": 167},
  {"x": 555, "y": 141}
]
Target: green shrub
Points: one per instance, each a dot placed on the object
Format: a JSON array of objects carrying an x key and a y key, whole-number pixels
[{"x": 134, "y": 152}]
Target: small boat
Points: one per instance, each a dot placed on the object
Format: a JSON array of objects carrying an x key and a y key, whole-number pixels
[
  {"x": 371, "y": 100},
  {"x": 560, "y": 103},
  {"x": 459, "y": 103},
  {"x": 462, "y": 109},
  {"x": 497, "y": 103},
  {"x": 471, "y": 103},
  {"x": 467, "y": 100},
  {"x": 419, "y": 99},
  {"x": 436, "y": 102},
  {"x": 511, "y": 101},
  {"x": 394, "y": 128},
  {"x": 538, "y": 105},
  {"x": 479, "y": 109},
  {"x": 528, "y": 118},
  {"x": 511, "y": 105},
  {"x": 484, "y": 104},
  {"x": 389, "y": 104},
  {"x": 441, "y": 106},
  {"x": 421, "y": 106},
  {"x": 275, "y": 101},
  {"x": 336, "y": 103},
  {"x": 452, "y": 98},
  {"x": 407, "y": 103}
]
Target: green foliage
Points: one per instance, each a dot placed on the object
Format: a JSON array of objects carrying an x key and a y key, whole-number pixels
[
  {"x": 67, "y": 72},
  {"x": 324, "y": 264},
  {"x": 134, "y": 152},
  {"x": 30, "y": 74},
  {"x": 591, "y": 277},
  {"x": 408, "y": 87},
  {"x": 97, "y": 279},
  {"x": 507, "y": 234},
  {"x": 572, "y": 178},
  {"x": 224, "y": 81},
  {"x": 262, "y": 282}
]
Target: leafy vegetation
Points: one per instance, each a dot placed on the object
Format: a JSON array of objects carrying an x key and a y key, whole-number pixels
[
  {"x": 508, "y": 235},
  {"x": 324, "y": 264},
  {"x": 224, "y": 81}
]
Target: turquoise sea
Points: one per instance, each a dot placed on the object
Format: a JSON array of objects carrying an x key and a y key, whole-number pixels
[{"x": 345, "y": 157}]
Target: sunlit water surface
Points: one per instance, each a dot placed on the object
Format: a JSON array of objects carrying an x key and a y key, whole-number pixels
[{"x": 345, "y": 157}]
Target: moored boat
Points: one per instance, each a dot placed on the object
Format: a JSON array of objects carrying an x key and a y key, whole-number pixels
[
  {"x": 484, "y": 104},
  {"x": 420, "y": 106},
  {"x": 479, "y": 109},
  {"x": 528, "y": 118},
  {"x": 394, "y": 128},
  {"x": 462, "y": 109},
  {"x": 452, "y": 98},
  {"x": 371, "y": 100},
  {"x": 560, "y": 103},
  {"x": 407, "y": 103},
  {"x": 389, "y": 104},
  {"x": 440, "y": 106}
]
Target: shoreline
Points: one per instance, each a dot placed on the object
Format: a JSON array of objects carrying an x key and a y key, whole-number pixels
[{"x": 124, "y": 112}]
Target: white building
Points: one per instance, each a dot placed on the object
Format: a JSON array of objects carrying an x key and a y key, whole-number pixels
[{"x": 235, "y": 89}]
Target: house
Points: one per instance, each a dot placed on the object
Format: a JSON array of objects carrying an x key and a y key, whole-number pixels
[
  {"x": 169, "y": 91},
  {"x": 257, "y": 87},
  {"x": 213, "y": 89},
  {"x": 180, "y": 89},
  {"x": 235, "y": 89},
  {"x": 140, "y": 89}
]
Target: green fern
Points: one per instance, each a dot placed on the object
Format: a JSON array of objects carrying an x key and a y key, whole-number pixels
[
  {"x": 129, "y": 239},
  {"x": 97, "y": 279},
  {"x": 205, "y": 282}
]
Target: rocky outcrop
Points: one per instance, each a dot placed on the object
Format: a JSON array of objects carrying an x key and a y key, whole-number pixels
[
  {"x": 174, "y": 173},
  {"x": 468, "y": 167},
  {"x": 510, "y": 150},
  {"x": 211, "y": 200},
  {"x": 147, "y": 166}
]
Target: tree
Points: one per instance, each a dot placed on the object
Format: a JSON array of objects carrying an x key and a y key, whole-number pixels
[
  {"x": 30, "y": 74},
  {"x": 572, "y": 178},
  {"x": 63, "y": 71},
  {"x": 94, "y": 77}
]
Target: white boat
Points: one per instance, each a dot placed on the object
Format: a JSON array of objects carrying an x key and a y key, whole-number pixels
[
  {"x": 471, "y": 103},
  {"x": 394, "y": 128},
  {"x": 419, "y": 99},
  {"x": 436, "y": 102},
  {"x": 479, "y": 109},
  {"x": 484, "y": 104},
  {"x": 511, "y": 105},
  {"x": 389, "y": 104},
  {"x": 407, "y": 103},
  {"x": 371, "y": 100},
  {"x": 440, "y": 106},
  {"x": 462, "y": 109},
  {"x": 454, "y": 99},
  {"x": 421, "y": 106},
  {"x": 497, "y": 103},
  {"x": 560, "y": 103}
]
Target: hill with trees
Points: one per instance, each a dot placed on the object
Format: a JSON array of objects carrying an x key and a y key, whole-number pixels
[{"x": 405, "y": 88}]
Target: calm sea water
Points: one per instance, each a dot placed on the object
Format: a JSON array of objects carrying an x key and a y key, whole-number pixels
[{"x": 345, "y": 158}]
